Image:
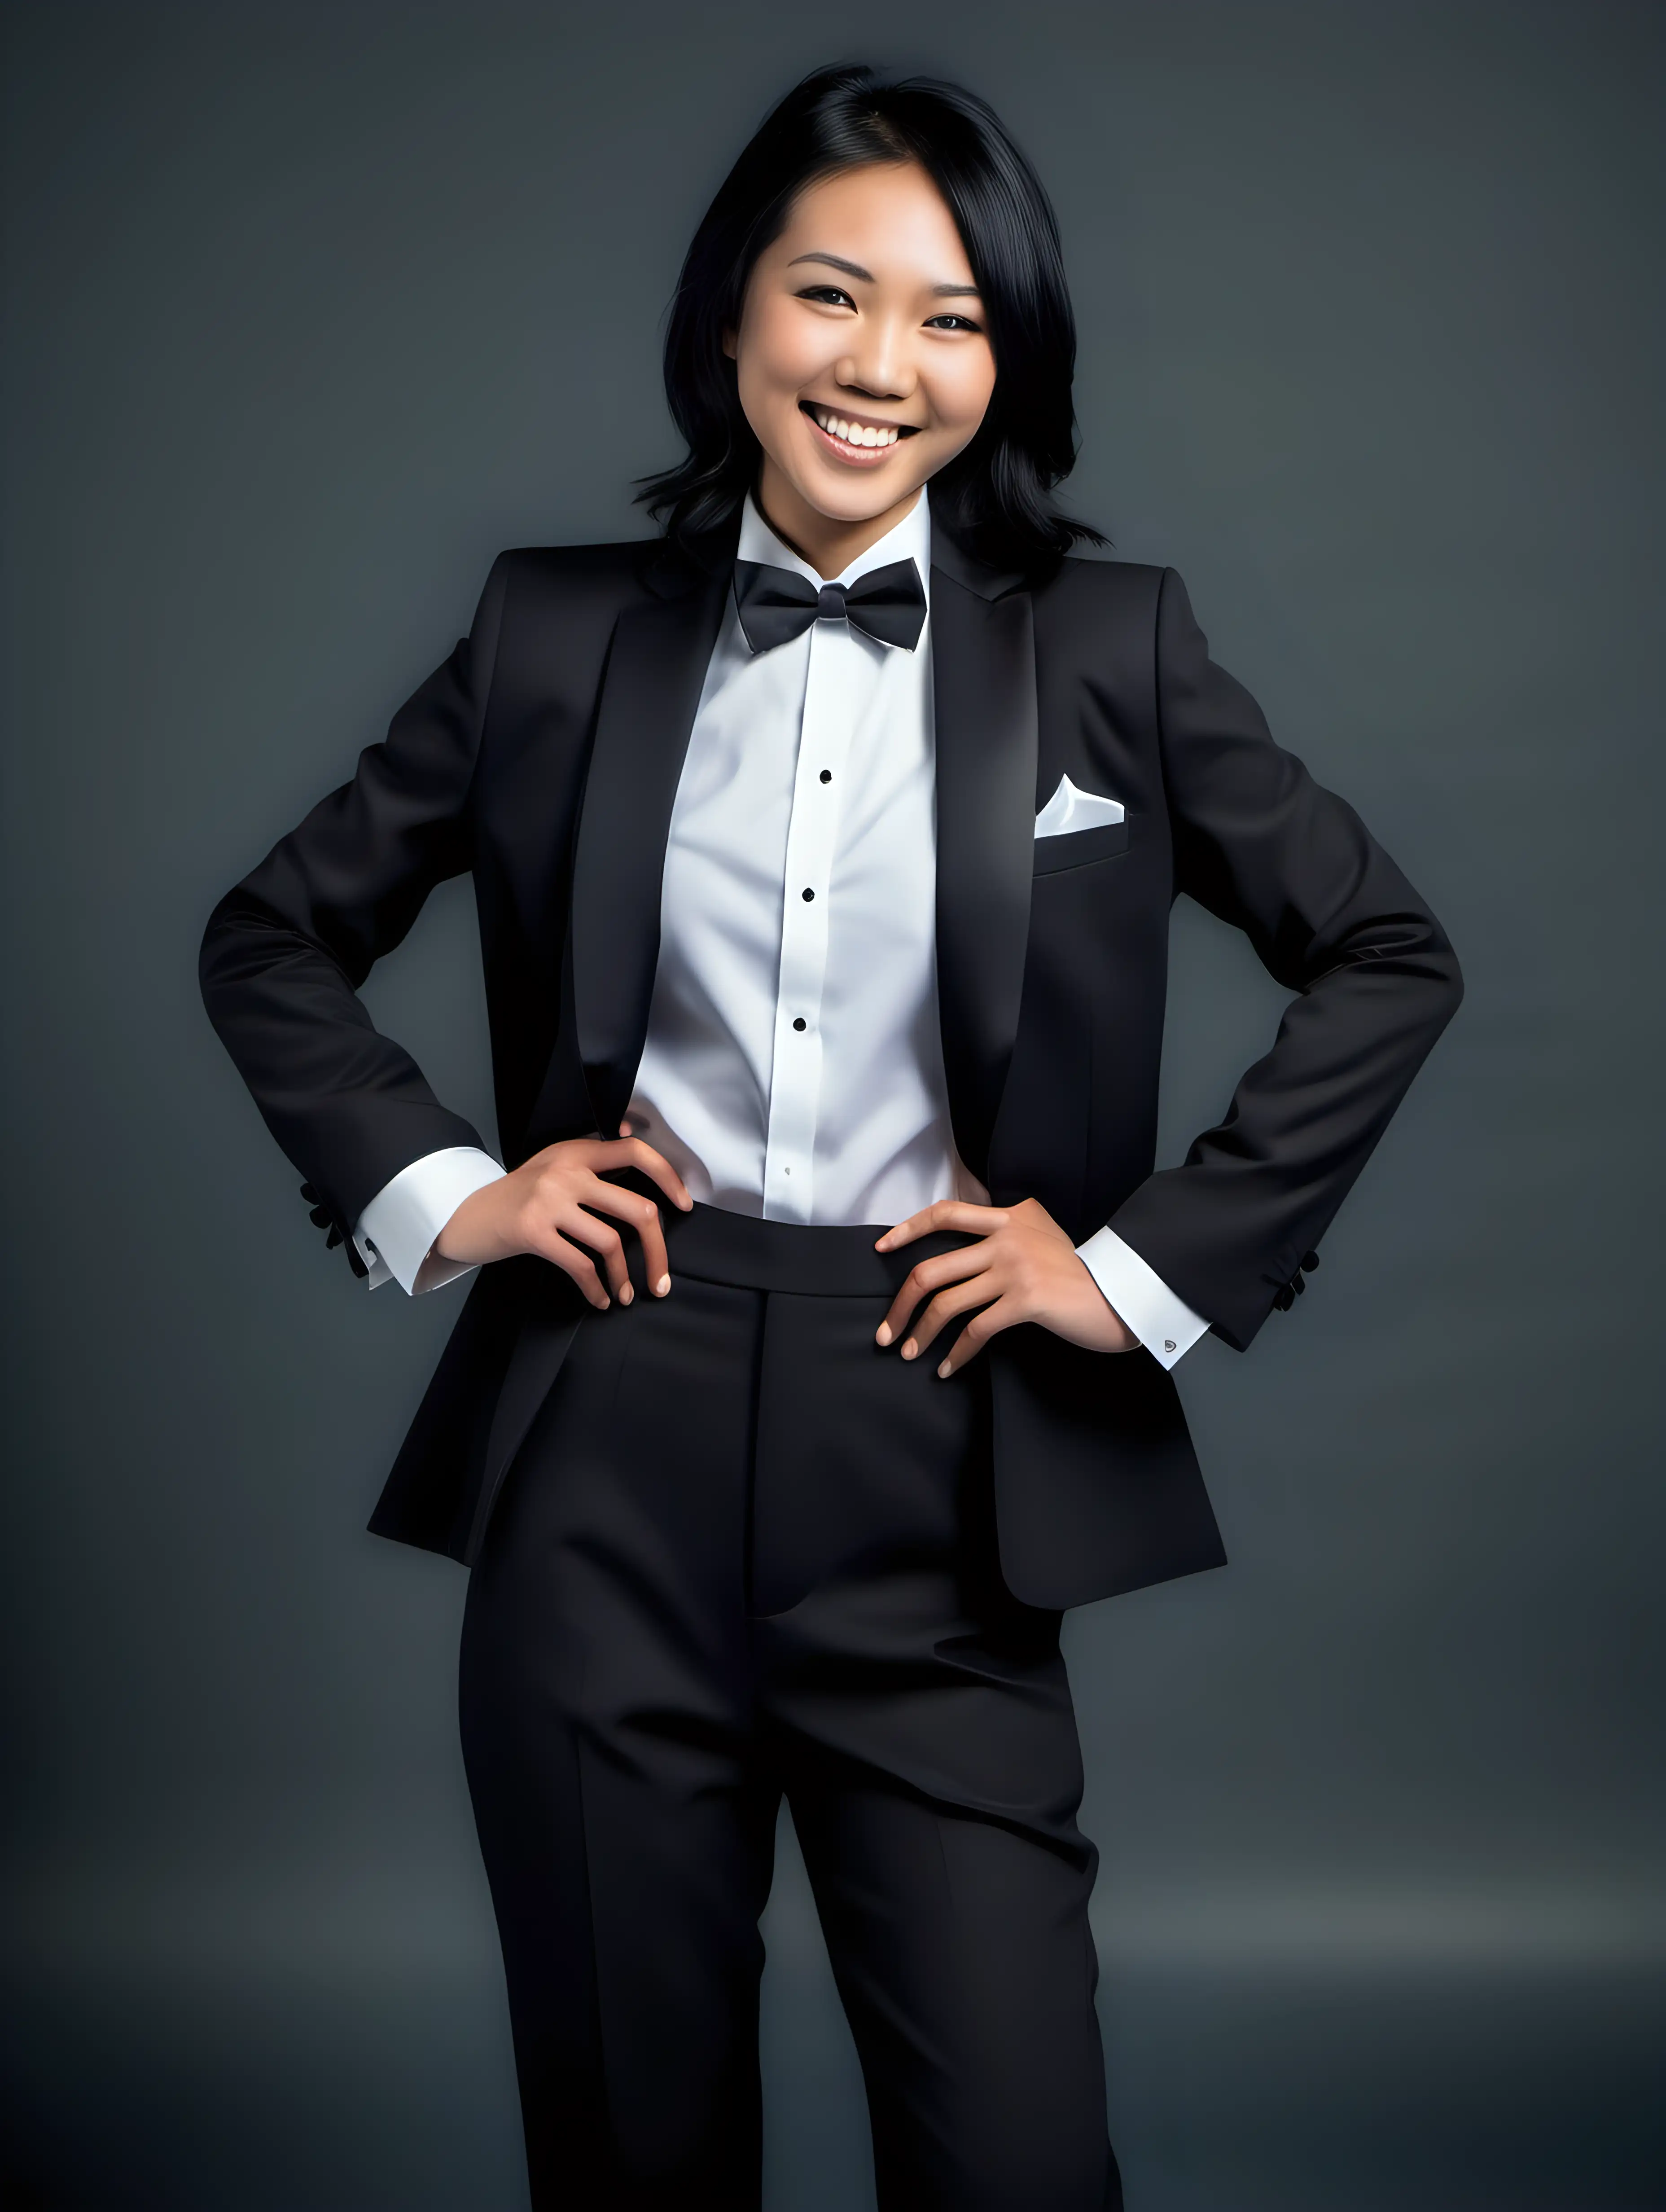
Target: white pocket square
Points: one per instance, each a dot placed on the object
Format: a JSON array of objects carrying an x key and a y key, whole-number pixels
[{"x": 1069, "y": 809}]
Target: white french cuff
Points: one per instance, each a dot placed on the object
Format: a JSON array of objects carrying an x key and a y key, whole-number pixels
[
  {"x": 1164, "y": 1323},
  {"x": 396, "y": 1231}
]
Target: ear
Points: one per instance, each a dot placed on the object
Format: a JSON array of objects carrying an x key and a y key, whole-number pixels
[{"x": 732, "y": 344}]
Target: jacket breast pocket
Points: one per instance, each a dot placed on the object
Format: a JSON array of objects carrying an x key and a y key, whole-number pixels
[{"x": 1072, "y": 847}]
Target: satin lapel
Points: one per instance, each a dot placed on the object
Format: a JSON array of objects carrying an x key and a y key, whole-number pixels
[
  {"x": 983, "y": 682},
  {"x": 655, "y": 671}
]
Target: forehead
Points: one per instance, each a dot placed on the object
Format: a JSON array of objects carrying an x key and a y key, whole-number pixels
[{"x": 888, "y": 215}]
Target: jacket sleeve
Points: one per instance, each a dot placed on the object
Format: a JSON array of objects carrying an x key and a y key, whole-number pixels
[
  {"x": 1263, "y": 846},
  {"x": 285, "y": 951}
]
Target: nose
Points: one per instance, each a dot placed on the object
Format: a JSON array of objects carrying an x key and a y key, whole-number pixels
[{"x": 877, "y": 366}]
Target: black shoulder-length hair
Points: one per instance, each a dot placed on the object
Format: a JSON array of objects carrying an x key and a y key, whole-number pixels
[{"x": 994, "y": 494}]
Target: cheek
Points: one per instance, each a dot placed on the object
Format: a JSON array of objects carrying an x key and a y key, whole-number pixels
[
  {"x": 961, "y": 392},
  {"x": 779, "y": 355}
]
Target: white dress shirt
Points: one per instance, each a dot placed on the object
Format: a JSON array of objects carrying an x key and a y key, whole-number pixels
[
  {"x": 793, "y": 1066},
  {"x": 794, "y": 1062}
]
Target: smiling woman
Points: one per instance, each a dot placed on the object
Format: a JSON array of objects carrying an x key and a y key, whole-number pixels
[
  {"x": 859, "y": 381},
  {"x": 824, "y": 853},
  {"x": 880, "y": 261}
]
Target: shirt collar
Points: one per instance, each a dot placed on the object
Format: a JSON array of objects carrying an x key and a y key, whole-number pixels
[{"x": 910, "y": 540}]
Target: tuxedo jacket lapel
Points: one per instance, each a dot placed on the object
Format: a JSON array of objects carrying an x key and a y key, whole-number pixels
[
  {"x": 650, "y": 693},
  {"x": 983, "y": 678},
  {"x": 983, "y": 683}
]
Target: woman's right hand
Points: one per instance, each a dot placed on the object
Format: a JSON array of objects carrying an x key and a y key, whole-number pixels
[{"x": 550, "y": 1205}]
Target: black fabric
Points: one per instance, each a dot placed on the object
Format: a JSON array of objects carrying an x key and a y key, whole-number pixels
[
  {"x": 775, "y": 604},
  {"x": 544, "y": 756},
  {"x": 742, "y": 1551},
  {"x": 751, "y": 1254}
]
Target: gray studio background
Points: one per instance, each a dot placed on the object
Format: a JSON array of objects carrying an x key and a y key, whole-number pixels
[{"x": 310, "y": 310}]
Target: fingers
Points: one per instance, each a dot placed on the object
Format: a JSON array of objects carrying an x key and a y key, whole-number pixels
[
  {"x": 551, "y": 1245},
  {"x": 946, "y": 1213},
  {"x": 628, "y": 1151},
  {"x": 577, "y": 1226},
  {"x": 959, "y": 1299},
  {"x": 926, "y": 1276},
  {"x": 643, "y": 1215},
  {"x": 569, "y": 1205},
  {"x": 976, "y": 1334}
]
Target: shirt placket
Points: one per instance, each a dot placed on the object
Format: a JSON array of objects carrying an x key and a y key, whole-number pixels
[{"x": 818, "y": 789}]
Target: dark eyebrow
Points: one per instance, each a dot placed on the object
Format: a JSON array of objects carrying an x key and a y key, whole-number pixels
[
  {"x": 833, "y": 261},
  {"x": 865, "y": 276}
]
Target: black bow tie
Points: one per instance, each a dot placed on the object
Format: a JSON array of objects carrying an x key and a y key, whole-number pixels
[{"x": 777, "y": 604}]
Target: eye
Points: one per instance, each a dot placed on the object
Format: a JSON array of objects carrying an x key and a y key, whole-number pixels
[
  {"x": 956, "y": 322},
  {"x": 831, "y": 295}
]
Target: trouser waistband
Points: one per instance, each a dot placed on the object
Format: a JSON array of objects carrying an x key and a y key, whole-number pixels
[{"x": 814, "y": 1259}]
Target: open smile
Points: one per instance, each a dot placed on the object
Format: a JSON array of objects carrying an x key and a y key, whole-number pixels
[{"x": 860, "y": 441}]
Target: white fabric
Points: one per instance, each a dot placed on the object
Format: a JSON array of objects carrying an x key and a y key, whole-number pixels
[
  {"x": 396, "y": 1230},
  {"x": 846, "y": 1120},
  {"x": 1164, "y": 1323},
  {"x": 1070, "y": 809}
]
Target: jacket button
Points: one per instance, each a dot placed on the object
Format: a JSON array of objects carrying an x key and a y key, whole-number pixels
[{"x": 1310, "y": 1260}]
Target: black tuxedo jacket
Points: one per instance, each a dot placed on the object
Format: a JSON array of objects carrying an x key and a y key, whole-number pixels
[{"x": 543, "y": 756}]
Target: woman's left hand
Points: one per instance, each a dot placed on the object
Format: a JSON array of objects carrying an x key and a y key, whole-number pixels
[{"x": 1023, "y": 1268}]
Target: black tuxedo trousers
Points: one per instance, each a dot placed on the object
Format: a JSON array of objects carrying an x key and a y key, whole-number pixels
[{"x": 743, "y": 1552}]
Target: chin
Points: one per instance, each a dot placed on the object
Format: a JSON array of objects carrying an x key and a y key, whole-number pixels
[
  {"x": 841, "y": 505},
  {"x": 843, "y": 498}
]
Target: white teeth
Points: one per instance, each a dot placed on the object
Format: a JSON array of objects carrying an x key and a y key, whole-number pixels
[{"x": 853, "y": 434}]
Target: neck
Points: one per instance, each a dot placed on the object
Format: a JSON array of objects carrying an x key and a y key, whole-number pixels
[{"x": 829, "y": 544}]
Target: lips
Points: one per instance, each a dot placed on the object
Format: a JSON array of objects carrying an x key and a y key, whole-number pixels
[{"x": 857, "y": 441}]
